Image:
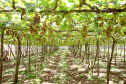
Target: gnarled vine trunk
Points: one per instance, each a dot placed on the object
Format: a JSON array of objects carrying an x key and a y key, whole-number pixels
[
  {"x": 109, "y": 64},
  {"x": 17, "y": 60},
  {"x": 1, "y": 61}
]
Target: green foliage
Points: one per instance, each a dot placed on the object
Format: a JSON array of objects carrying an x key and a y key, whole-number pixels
[
  {"x": 41, "y": 67},
  {"x": 40, "y": 77},
  {"x": 19, "y": 83},
  {"x": 32, "y": 59},
  {"x": 9, "y": 70},
  {"x": 25, "y": 72},
  {"x": 105, "y": 66},
  {"x": 101, "y": 79},
  {"x": 114, "y": 67},
  {"x": 115, "y": 80},
  {"x": 2, "y": 24},
  {"x": 63, "y": 26},
  {"x": 30, "y": 76},
  {"x": 77, "y": 60},
  {"x": 9, "y": 80},
  {"x": 81, "y": 76},
  {"x": 123, "y": 74},
  {"x": 93, "y": 77},
  {"x": 68, "y": 15},
  {"x": 37, "y": 80}
]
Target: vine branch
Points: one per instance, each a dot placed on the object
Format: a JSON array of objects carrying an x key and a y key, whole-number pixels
[
  {"x": 13, "y": 4},
  {"x": 55, "y": 5},
  {"x": 107, "y": 10}
]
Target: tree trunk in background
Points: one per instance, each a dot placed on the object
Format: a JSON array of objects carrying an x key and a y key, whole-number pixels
[
  {"x": 37, "y": 49},
  {"x": 43, "y": 49},
  {"x": 15, "y": 50},
  {"x": 26, "y": 51},
  {"x": 41, "y": 53},
  {"x": 83, "y": 56},
  {"x": 46, "y": 49},
  {"x": 73, "y": 50},
  {"x": 35, "y": 56},
  {"x": 88, "y": 46},
  {"x": 52, "y": 49},
  {"x": 97, "y": 55},
  {"x": 86, "y": 52},
  {"x": 49, "y": 51},
  {"x": 92, "y": 55},
  {"x": 29, "y": 58},
  {"x": 42, "y": 59},
  {"x": 1, "y": 61},
  {"x": 97, "y": 52},
  {"x": 27, "y": 48},
  {"x": 17, "y": 60},
  {"x": 109, "y": 64},
  {"x": 104, "y": 52},
  {"x": 80, "y": 50},
  {"x": 124, "y": 55},
  {"x": 108, "y": 52},
  {"x": 10, "y": 50},
  {"x": 121, "y": 51},
  {"x": 116, "y": 54},
  {"x": 42, "y": 56}
]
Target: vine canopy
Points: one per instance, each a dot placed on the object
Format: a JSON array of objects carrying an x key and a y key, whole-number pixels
[{"x": 62, "y": 22}]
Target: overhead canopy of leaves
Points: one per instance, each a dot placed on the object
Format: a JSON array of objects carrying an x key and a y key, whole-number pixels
[{"x": 62, "y": 22}]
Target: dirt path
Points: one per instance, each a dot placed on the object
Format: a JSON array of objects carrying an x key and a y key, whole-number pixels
[{"x": 68, "y": 70}]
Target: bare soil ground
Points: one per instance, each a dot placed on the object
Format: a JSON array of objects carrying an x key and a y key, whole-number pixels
[{"x": 63, "y": 68}]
